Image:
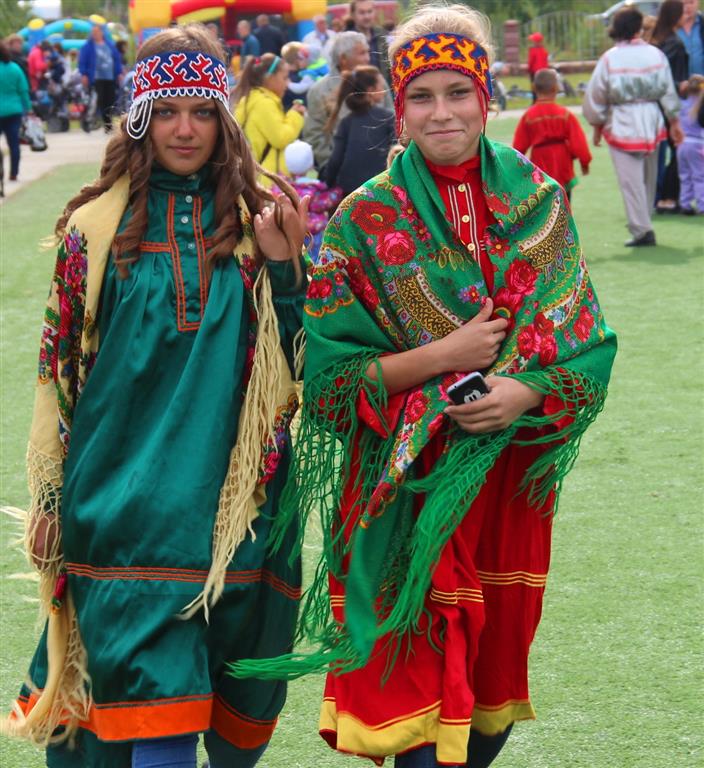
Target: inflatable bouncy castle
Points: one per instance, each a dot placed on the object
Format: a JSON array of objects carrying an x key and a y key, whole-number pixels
[{"x": 146, "y": 14}]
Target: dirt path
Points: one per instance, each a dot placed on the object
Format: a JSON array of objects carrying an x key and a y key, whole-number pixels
[{"x": 63, "y": 149}]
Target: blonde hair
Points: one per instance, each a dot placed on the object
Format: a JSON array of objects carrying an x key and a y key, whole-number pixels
[
  {"x": 293, "y": 52},
  {"x": 394, "y": 152},
  {"x": 457, "y": 19}
]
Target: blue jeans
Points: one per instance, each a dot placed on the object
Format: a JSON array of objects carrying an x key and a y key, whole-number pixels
[
  {"x": 10, "y": 126},
  {"x": 180, "y": 752},
  {"x": 481, "y": 753}
]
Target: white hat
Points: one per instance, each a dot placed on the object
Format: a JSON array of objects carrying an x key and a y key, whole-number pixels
[{"x": 299, "y": 157}]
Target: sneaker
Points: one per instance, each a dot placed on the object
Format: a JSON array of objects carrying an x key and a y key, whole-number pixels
[
  {"x": 647, "y": 239},
  {"x": 688, "y": 211},
  {"x": 13, "y": 177}
]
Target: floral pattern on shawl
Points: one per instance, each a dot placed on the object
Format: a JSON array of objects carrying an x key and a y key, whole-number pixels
[
  {"x": 62, "y": 358},
  {"x": 392, "y": 277}
]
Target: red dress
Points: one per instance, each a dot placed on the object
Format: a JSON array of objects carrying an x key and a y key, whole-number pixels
[
  {"x": 556, "y": 138},
  {"x": 485, "y": 599}
]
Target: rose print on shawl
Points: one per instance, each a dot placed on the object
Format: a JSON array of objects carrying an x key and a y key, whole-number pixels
[
  {"x": 373, "y": 217},
  {"x": 583, "y": 324},
  {"x": 538, "y": 338},
  {"x": 520, "y": 277},
  {"x": 328, "y": 290},
  {"x": 408, "y": 212},
  {"x": 360, "y": 283},
  {"x": 396, "y": 248}
]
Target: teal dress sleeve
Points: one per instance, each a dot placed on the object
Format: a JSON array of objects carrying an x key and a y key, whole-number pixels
[{"x": 288, "y": 303}]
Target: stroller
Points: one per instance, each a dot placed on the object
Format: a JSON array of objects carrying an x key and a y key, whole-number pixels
[{"x": 83, "y": 103}]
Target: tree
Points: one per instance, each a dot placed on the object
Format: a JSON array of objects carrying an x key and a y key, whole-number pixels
[
  {"x": 12, "y": 17},
  {"x": 112, "y": 10}
]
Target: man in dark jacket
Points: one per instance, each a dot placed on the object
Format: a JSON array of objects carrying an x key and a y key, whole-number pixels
[
  {"x": 271, "y": 39},
  {"x": 362, "y": 15},
  {"x": 100, "y": 65}
]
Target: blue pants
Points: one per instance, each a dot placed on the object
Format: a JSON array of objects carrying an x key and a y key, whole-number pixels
[
  {"x": 10, "y": 126},
  {"x": 180, "y": 752},
  {"x": 481, "y": 753}
]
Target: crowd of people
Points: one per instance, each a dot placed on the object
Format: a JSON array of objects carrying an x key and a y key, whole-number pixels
[{"x": 427, "y": 285}]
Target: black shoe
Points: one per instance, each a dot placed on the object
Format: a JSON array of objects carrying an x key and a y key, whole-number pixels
[
  {"x": 688, "y": 211},
  {"x": 647, "y": 239}
]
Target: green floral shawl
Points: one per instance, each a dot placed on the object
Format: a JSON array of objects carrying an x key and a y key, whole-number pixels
[{"x": 392, "y": 276}]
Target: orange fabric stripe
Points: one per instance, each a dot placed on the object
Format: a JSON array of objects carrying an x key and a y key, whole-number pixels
[
  {"x": 150, "y": 246},
  {"x": 241, "y": 730},
  {"x": 200, "y": 248},
  {"x": 513, "y": 577},
  {"x": 184, "y": 575},
  {"x": 127, "y": 721},
  {"x": 181, "y": 322}
]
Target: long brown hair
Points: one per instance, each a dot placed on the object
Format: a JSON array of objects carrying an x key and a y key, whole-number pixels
[
  {"x": 234, "y": 169},
  {"x": 354, "y": 91},
  {"x": 668, "y": 16}
]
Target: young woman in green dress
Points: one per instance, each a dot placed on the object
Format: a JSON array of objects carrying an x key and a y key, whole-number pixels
[{"x": 159, "y": 437}]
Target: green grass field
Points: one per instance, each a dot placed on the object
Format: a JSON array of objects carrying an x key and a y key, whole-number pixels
[{"x": 616, "y": 667}]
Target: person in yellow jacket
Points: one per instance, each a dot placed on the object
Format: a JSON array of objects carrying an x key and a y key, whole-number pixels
[{"x": 260, "y": 112}]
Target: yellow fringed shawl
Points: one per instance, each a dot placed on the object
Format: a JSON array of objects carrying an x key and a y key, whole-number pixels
[{"x": 269, "y": 403}]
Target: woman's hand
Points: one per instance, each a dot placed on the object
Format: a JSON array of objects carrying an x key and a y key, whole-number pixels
[
  {"x": 596, "y": 135},
  {"x": 507, "y": 400},
  {"x": 475, "y": 345},
  {"x": 285, "y": 242},
  {"x": 44, "y": 534}
]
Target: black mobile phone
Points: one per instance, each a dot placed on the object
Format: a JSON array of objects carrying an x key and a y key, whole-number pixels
[{"x": 468, "y": 389}]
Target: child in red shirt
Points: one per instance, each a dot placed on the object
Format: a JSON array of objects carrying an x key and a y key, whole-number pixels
[
  {"x": 553, "y": 132},
  {"x": 537, "y": 57}
]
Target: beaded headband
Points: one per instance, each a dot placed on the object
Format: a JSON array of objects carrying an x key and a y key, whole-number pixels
[
  {"x": 441, "y": 50},
  {"x": 172, "y": 74}
]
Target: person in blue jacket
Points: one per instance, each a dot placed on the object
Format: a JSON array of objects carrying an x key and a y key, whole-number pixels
[
  {"x": 100, "y": 65},
  {"x": 14, "y": 102}
]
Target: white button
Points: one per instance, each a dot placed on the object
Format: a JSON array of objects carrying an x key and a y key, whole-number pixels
[
  {"x": 184, "y": 219},
  {"x": 465, "y": 218},
  {"x": 461, "y": 188},
  {"x": 471, "y": 246},
  {"x": 193, "y": 176},
  {"x": 189, "y": 199},
  {"x": 191, "y": 246}
]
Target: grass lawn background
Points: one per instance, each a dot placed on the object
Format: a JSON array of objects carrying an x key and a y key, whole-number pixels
[{"x": 616, "y": 668}]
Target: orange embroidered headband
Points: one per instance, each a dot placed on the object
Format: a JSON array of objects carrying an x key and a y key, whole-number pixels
[{"x": 441, "y": 50}]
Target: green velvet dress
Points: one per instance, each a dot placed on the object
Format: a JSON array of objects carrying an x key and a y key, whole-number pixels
[{"x": 150, "y": 445}]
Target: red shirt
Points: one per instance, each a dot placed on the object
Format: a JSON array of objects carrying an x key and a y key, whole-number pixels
[
  {"x": 460, "y": 188},
  {"x": 537, "y": 59},
  {"x": 556, "y": 138}
]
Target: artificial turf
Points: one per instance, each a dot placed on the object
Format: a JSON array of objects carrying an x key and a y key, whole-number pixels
[{"x": 616, "y": 667}]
